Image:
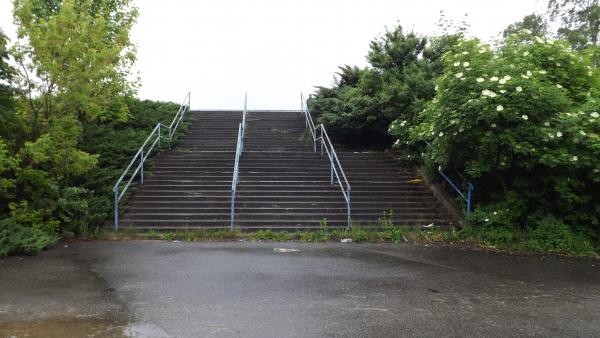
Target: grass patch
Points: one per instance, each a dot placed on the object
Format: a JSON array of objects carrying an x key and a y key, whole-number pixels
[{"x": 509, "y": 239}]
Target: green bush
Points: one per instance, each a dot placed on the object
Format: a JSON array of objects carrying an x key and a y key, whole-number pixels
[
  {"x": 553, "y": 235},
  {"x": 398, "y": 83},
  {"x": 522, "y": 122},
  {"x": 19, "y": 239},
  {"x": 49, "y": 187}
]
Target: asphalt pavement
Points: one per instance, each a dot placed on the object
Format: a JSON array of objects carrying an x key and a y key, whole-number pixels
[{"x": 253, "y": 289}]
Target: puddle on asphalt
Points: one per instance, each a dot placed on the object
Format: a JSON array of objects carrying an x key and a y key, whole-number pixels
[{"x": 79, "y": 327}]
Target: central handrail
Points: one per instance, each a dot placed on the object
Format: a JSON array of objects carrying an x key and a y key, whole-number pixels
[
  {"x": 142, "y": 154},
  {"x": 236, "y": 167},
  {"x": 326, "y": 145}
]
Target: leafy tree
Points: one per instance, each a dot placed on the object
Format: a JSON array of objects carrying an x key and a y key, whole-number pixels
[
  {"x": 74, "y": 59},
  {"x": 81, "y": 53},
  {"x": 536, "y": 24},
  {"x": 523, "y": 123},
  {"x": 363, "y": 102},
  {"x": 9, "y": 125},
  {"x": 580, "y": 21}
]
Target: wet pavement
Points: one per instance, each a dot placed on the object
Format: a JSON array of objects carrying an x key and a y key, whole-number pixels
[{"x": 175, "y": 289}]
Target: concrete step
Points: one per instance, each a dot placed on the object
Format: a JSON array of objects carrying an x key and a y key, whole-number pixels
[
  {"x": 142, "y": 196},
  {"x": 292, "y": 224},
  {"x": 224, "y": 215}
]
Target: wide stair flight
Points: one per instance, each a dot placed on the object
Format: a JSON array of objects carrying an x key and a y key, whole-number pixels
[{"x": 283, "y": 183}]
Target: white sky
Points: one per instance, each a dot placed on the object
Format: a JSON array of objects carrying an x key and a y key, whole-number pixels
[{"x": 273, "y": 49}]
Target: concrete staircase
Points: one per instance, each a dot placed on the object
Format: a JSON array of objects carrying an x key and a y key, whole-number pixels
[
  {"x": 190, "y": 186},
  {"x": 283, "y": 183}
]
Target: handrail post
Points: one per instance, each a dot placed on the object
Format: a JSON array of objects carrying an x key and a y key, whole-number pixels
[
  {"x": 169, "y": 137},
  {"x": 322, "y": 141},
  {"x": 232, "y": 209},
  {"x": 306, "y": 124},
  {"x": 469, "y": 190},
  {"x": 303, "y": 110},
  {"x": 159, "y": 135},
  {"x": 116, "y": 209},
  {"x": 142, "y": 166},
  {"x": 349, "y": 206},
  {"x": 314, "y": 136}
]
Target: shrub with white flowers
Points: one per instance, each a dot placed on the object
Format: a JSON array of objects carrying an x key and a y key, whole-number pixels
[{"x": 522, "y": 120}]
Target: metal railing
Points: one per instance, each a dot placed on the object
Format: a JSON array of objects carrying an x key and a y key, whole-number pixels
[
  {"x": 142, "y": 154},
  {"x": 319, "y": 134},
  {"x": 238, "y": 153},
  {"x": 464, "y": 195}
]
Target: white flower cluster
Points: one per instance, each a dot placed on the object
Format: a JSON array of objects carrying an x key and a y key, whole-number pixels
[
  {"x": 504, "y": 79},
  {"x": 487, "y": 92}
]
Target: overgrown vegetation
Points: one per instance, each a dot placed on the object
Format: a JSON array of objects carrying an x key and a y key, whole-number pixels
[
  {"x": 549, "y": 237},
  {"x": 69, "y": 120},
  {"x": 519, "y": 118},
  {"x": 501, "y": 239}
]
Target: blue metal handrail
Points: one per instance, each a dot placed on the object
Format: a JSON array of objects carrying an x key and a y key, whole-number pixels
[
  {"x": 142, "y": 154},
  {"x": 326, "y": 145},
  {"x": 464, "y": 195},
  {"x": 238, "y": 153}
]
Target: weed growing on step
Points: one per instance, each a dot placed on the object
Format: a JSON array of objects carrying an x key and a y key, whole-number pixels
[
  {"x": 270, "y": 235},
  {"x": 323, "y": 224},
  {"x": 393, "y": 233},
  {"x": 312, "y": 236}
]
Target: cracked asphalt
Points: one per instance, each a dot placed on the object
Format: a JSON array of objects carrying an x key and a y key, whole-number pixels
[{"x": 248, "y": 289}]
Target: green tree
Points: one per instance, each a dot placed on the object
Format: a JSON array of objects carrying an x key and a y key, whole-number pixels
[
  {"x": 74, "y": 58},
  {"x": 81, "y": 56},
  {"x": 580, "y": 21},
  {"x": 397, "y": 84},
  {"x": 523, "y": 123},
  {"x": 536, "y": 24},
  {"x": 9, "y": 125}
]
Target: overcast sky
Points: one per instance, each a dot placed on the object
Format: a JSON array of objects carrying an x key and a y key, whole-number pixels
[{"x": 274, "y": 49}]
